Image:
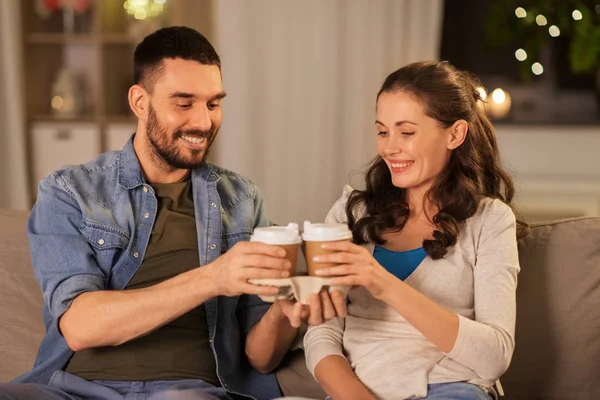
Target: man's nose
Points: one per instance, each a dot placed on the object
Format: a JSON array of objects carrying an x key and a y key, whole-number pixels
[{"x": 201, "y": 119}]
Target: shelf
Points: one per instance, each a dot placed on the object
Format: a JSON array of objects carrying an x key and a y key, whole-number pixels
[
  {"x": 130, "y": 119},
  {"x": 81, "y": 38},
  {"x": 54, "y": 119},
  {"x": 117, "y": 38},
  {"x": 61, "y": 38}
]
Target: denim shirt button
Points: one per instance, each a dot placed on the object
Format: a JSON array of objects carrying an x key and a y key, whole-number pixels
[
  {"x": 214, "y": 205},
  {"x": 145, "y": 189},
  {"x": 136, "y": 254},
  {"x": 146, "y": 215},
  {"x": 101, "y": 242},
  {"x": 213, "y": 246},
  {"x": 213, "y": 176}
]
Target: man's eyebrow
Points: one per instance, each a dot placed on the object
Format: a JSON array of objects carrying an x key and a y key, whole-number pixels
[
  {"x": 186, "y": 95},
  {"x": 182, "y": 95},
  {"x": 219, "y": 96}
]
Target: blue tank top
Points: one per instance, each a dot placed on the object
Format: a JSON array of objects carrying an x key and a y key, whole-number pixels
[{"x": 399, "y": 263}]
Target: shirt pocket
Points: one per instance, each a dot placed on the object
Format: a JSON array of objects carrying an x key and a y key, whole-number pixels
[
  {"x": 228, "y": 240},
  {"x": 107, "y": 243}
]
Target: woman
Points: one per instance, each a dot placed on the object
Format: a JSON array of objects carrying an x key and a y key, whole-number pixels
[{"x": 434, "y": 255}]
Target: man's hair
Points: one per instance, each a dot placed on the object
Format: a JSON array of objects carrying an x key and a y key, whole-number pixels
[{"x": 172, "y": 42}]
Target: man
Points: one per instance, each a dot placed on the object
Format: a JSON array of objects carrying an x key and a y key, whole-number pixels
[{"x": 116, "y": 245}]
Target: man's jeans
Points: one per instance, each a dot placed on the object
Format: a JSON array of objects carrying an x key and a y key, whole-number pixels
[{"x": 65, "y": 386}]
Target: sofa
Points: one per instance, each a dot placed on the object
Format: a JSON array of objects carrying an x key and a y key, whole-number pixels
[{"x": 557, "y": 353}]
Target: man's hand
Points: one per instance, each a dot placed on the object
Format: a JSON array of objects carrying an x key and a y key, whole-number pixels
[
  {"x": 322, "y": 307},
  {"x": 248, "y": 260}
]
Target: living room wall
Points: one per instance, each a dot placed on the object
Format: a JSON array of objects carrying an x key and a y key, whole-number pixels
[
  {"x": 3, "y": 147},
  {"x": 556, "y": 167},
  {"x": 13, "y": 166}
]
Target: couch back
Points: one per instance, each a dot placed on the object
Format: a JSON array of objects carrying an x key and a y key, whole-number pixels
[
  {"x": 557, "y": 353},
  {"x": 557, "y": 350},
  {"x": 21, "y": 325}
]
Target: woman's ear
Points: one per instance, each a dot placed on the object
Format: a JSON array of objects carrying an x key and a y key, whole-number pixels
[
  {"x": 139, "y": 101},
  {"x": 458, "y": 134}
]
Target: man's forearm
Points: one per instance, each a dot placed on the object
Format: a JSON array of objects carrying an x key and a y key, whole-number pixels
[
  {"x": 110, "y": 318},
  {"x": 269, "y": 340},
  {"x": 339, "y": 381}
]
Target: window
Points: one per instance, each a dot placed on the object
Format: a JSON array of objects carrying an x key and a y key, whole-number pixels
[{"x": 557, "y": 95}]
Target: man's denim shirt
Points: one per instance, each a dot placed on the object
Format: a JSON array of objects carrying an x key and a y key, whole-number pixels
[{"x": 89, "y": 230}]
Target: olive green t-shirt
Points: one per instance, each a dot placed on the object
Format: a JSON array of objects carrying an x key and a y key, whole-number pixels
[{"x": 179, "y": 349}]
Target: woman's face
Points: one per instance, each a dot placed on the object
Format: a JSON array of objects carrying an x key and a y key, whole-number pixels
[{"x": 414, "y": 146}]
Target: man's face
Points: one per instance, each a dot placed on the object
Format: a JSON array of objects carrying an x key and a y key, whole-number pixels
[{"x": 184, "y": 113}]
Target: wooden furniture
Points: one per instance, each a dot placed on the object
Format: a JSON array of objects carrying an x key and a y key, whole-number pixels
[{"x": 97, "y": 48}]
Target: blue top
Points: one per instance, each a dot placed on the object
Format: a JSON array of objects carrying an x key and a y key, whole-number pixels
[
  {"x": 89, "y": 230},
  {"x": 399, "y": 263}
]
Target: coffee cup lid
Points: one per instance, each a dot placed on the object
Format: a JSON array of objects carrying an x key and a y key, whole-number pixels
[
  {"x": 325, "y": 232},
  {"x": 277, "y": 234}
]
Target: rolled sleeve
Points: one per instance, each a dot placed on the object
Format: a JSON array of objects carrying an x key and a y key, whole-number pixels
[
  {"x": 63, "y": 261},
  {"x": 322, "y": 341},
  {"x": 250, "y": 311}
]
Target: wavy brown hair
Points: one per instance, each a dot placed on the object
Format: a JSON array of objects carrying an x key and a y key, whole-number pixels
[{"x": 473, "y": 171}]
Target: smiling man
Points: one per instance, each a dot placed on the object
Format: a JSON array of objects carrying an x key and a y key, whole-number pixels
[{"x": 143, "y": 259}]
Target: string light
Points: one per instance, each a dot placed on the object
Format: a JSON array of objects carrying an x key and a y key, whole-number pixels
[
  {"x": 482, "y": 92},
  {"x": 521, "y": 55},
  {"x": 142, "y": 9},
  {"x": 554, "y": 31},
  {"x": 537, "y": 68},
  {"x": 500, "y": 105},
  {"x": 577, "y": 15},
  {"x": 520, "y": 12},
  {"x": 498, "y": 96},
  {"x": 541, "y": 20}
]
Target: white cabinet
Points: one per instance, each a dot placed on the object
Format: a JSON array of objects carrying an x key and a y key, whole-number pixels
[
  {"x": 117, "y": 135},
  {"x": 55, "y": 144}
]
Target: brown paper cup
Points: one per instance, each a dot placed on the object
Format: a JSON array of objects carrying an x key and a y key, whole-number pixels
[
  {"x": 291, "y": 254},
  {"x": 287, "y": 237},
  {"x": 314, "y": 249}
]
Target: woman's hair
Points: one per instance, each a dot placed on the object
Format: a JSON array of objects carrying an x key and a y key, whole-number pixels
[{"x": 473, "y": 171}]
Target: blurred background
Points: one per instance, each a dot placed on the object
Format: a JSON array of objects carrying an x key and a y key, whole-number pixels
[{"x": 301, "y": 78}]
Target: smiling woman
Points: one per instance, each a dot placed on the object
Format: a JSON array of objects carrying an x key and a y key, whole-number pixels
[
  {"x": 435, "y": 144},
  {"x": 433, "y": 262}
]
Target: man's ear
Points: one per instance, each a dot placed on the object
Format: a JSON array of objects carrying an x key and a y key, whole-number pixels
[
  {"x": 458, "y": 134},
  {"x": 139, "y": 101}
]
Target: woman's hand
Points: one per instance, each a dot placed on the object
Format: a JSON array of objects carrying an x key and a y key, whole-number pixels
[{"x": 357, "y": 267}]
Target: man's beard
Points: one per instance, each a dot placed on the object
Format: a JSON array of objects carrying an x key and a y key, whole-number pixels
[{"x": 166, "y": 148}]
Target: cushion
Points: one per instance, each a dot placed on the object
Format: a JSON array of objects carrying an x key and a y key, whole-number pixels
[
  {"x": 295, "y": 379},
  {"x": 557, "y": 352},
  {"x": 21, "y": 324}
]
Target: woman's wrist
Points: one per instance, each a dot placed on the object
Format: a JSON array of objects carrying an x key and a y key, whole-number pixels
[{"x": 393, "y": 287}]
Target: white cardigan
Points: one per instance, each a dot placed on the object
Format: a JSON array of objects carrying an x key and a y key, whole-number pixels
[{"x": 477, "y": 280}]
